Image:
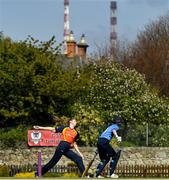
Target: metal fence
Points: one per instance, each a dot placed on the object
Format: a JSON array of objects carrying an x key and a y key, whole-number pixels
[{"x": 122, "y": 171}]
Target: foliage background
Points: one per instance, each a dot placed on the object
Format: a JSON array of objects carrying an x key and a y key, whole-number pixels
[{"x": 39, "y": 86}]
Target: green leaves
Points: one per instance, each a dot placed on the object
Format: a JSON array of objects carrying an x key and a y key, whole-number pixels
[
  {"x": 35, "y": 86},
  {"x": 89, "y": 123},
  {"x": 114, "y": 89},
  {"x": 25, "y": 74}
]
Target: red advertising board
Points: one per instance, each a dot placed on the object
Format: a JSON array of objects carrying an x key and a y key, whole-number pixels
[{"x": 43, "y": 138}]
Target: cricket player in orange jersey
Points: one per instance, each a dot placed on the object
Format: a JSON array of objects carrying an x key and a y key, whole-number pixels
[{"x": 69, "y": 136}]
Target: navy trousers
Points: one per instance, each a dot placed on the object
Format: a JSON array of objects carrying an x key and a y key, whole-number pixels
[
  {"x": 105, "y": 153},
  {"x": 64, "y": 149}
]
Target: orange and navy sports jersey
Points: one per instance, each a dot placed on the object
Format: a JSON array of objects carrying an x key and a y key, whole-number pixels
[{"x": 69, "y": 135}]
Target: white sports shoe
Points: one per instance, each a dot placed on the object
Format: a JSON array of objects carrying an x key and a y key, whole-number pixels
[
  {"x": 114, "y": 176},
  {"x": 100, "y": 177}
]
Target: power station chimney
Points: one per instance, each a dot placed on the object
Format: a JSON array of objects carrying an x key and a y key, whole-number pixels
[
  {"x": 113, "y": 22},
  {"x": 66, "y": 24}
]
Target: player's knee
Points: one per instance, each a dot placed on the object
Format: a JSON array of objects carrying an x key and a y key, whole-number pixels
[
  {"x": 102, "y": 161},
  {"x": 115, "y": 156},
  {"x": 112, "y": 161},
  {"x": 78, "y": 159}
]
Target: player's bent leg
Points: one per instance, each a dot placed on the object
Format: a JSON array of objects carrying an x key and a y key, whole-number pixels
[
  {"x": 62, "y": 147},
  {"x": 58, "y": 154},
  {"x": 77, "y": 159},
  {"x": 101, "y": 166},
  {"x": 113, "y": 165}
]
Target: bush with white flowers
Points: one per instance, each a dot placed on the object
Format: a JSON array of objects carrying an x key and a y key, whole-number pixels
[{"x": 118, "y": 90}]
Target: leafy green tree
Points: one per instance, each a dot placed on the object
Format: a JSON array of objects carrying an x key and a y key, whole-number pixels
[
  {"x": 34, "y": 85},
  {"x": 117, "y": 90},
  {"x": 157, "y": 135},
  {"x": 160, "y": 135},
  {"x": 28, "y": 83},
  {"x": 114, "y": 89},
  {"x": 89, "y": 123}
]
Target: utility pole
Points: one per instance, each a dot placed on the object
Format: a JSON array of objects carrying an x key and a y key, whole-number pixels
[{"x": 147, "y": 133}]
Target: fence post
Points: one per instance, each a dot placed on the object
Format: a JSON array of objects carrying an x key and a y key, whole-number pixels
[{"x": 39, "y": 163}]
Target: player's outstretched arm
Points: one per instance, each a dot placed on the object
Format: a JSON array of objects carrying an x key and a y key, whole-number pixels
[{"x": 44, "y": 128}]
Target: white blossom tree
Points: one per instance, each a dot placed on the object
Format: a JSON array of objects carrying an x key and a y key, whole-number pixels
[{"x": 115, "y": 89}]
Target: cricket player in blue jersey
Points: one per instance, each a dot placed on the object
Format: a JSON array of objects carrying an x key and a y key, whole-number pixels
[{"x": 105, "y": 150}]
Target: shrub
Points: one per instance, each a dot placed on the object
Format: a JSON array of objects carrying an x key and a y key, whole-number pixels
[
  {"x": 66, "y": 175},
  {"x": 4, "y": 171},
  {"x": 51, "y": 174},
  {"x": 70, "y": 175},
  {"x": 13, "y": 136},
  {"x": 25, "y": 175},
  {"x": 71, "y": 164}
]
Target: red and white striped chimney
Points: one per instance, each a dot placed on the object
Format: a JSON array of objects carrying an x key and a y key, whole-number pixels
[
  {"x": 66, "y": 24},
  {"x": 113, "y": 22}
]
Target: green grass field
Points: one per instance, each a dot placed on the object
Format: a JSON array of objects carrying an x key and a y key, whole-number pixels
[{"x": 82, "y": 178}]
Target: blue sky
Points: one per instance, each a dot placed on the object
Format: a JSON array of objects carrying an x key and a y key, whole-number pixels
[{"x": 44, "y": 18}]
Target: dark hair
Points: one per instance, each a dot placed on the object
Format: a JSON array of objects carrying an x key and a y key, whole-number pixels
[
  {"x": 117, "y": 119},
  {"x": 70, "y": 119}
]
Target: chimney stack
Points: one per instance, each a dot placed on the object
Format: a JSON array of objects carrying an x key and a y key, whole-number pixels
[
  {"x": 82, "y": 47},
  {"x": 113, "y": 23},
  {"x": 66, "y": 24},
  {"x": 71, "y": 46}
]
